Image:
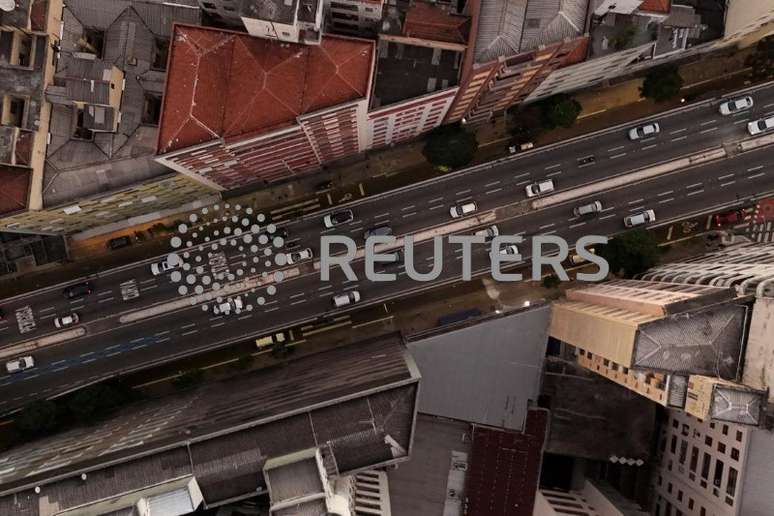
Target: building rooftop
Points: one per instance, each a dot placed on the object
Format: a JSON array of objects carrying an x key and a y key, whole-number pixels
[
  {"x": 655, "y": 6},
  {"x": 406, "y": 71},
  {"x": 280, "y": 11},
  {"x": 551, "y": 21},
  {"x": 224, "y": 84},
  {"x": 486, "y": 372},
  {"x": 355, "y": 404},
  {"x": 15, "y": 190},
  {"x": 432, "y": 22},
  {"x": 505, "y": 468},
  {"x": 85, "y": 156}
]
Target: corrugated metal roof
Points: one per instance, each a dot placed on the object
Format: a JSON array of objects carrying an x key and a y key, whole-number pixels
[
  {"x": 550, "y": 21},
  {"x": 500, "y": 25},
  {"x": 174, "y": 503}
]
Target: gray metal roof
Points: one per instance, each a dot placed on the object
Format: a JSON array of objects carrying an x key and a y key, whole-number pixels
[
  {"x": 356, "y": 404},
  {"x": 500, "y": 24},
  {"x": 280, "y": 11},
  {"x": 550, "y": 21},
  {"x": 757, "y": 496},
  {"x": 484, "y": 373}
]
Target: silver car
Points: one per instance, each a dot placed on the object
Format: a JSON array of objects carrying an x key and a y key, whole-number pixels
[
  {"x": 644, "y": 131},
  {"x": 20, "y": 364},
  {"x": 646, "y": 217},
  {"x": 732, "y": 106}
]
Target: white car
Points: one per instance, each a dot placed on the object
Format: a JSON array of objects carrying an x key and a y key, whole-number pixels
[
  {"x": 643, "y": 131},
  {"x": 540, "y": 188},
  {"x": 509, "y": 249},
  {"x": 300, "y": 256},
  {"x": 346, "y": 299},
  {"x": 588, "y": 209},
  {"x": 164, "y": 266},
  {"x": 460, "y": 210},
  {"x": 488, "y": 233},
  {"x": 337, "y": 218},
  {"x": 228, "y": 306},
  {"x": 66, "y": 320},
  {"x": 732, "y": 106},
  {"x": 646, "y": 217},
  {"x": 19, "y": 364},
  {"x": 761, "y": 126}
]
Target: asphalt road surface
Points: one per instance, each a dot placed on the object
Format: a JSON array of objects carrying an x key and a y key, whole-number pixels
[{"x": 110, "y": 346}]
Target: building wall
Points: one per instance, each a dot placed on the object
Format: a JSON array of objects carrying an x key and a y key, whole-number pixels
[
  {"x": 163, "y": 193},
  {"x": 701, "y": 467},
  {"x": 748, "y": 21},
  {"x": 474, "y": 82},
  {"x": 398, "y": 122},
  {"x": 652, "y": 385},
  {"x": 271, "y": 30},
  {"x": 335, "y": 133},
  {"x": 353, "y": 17},
  {"x": 225, "y": 10}
]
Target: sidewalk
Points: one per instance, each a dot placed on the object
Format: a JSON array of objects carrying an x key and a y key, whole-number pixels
[{"x": 384, "y": 169}]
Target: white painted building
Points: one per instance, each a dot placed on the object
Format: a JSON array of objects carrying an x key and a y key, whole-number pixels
[{"x": 594, "y": 499}]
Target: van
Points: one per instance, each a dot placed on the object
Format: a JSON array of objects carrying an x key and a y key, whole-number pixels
[
  {"x": 588, "y": 209},
  {"x": 349, "y": 298},
  {"x": 281, "y": 337}
]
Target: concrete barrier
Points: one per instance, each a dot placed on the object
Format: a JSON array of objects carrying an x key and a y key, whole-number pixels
[
  {"x": 629, "y": 178},
  {"x": 755, "y": 143},
  {"x": 29, "y": 346}
]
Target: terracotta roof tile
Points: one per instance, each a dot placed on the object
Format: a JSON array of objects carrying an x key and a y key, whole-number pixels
[
  {"x": 227, "y": 84},
  {"x": 426, "y": 21},
  {"x": 16, "y": 185},
  {"x": 656, "y": 6},
  {"x": 578, "y": 54}
]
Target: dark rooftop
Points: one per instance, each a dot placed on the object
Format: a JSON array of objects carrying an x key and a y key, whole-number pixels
[
  {"x": 279, "y": 11},
  {"x": 434, "y": 22},
  {"x": 355, "y": 404}
]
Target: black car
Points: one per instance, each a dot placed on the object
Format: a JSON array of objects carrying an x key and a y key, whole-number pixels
[
  {"x": 78, "y": 290},
  {"x": 119, "y": 242}
]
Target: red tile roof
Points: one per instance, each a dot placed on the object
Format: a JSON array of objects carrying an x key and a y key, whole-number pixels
[
  {"x": 578, "y": 54},
  {"x": 15, "y": 190},
  {"x": 656, "y": 6},
  {"x": 505, "y": 468},
  {"x": 427, "y": 21},
  {"x": 226, "y": 84}
]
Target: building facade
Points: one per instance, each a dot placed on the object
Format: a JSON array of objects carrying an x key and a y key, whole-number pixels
[{"x": 594, "y": 499}]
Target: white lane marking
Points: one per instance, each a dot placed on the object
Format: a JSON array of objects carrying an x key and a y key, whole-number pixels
[
  {"x": 242, "y": 318},
  {"x": 143, "y": 289},
  {"x": 664, "y": 201},
  {"x": 433, "y": 201},
  {"x": 521, "y": 175},
  {"x": 351, "y": 287},
  {"x": 105, "y": 300},
  {"x": 647, "y": 147},
  {"x": 407, "y": 215},
  {"x": 89, "y": 361},
  {"x": 638, "y": 208},
  {"x": 189, "y": 333},
  {"x": 768, "y": 105},
  {"x": 523, "y": 183},
  {"x": 693, "y": 185},
  {"x": 547, "y": 226},
  {"x": 44, "y": 317},
  {"x": 708, "y": 130},
  {"x": 678, "y": 131},
  {"x": 742, "y": 121},
  {"x": 381, "y": 215},
  {"x": 756, "y": 175},
  {"x": 407, "y": 208},
  {"x": 609, "y": 208},
  {"x": 662, "y": 194},
  {"x": 727, "y": 184},
  {"x": 549, "y": 232},
  {"x": 152, "y": 280},
  {"x": 679, "y": 138},
  {"x": 299, "y": 302},
  {"x": 325, "y": 287},
  {"x": 554, "y": 173},
  {"x": 47, "y": 309},
  {"x": 709, "y": 122},
  {"x": 637, "y": 201},
  {"x": 114, "y": 353},
  {"x": 721, "y": 178},
  {"x": 297, "y": 295},
  {"x": 549, "y": 167},
  {"x": 463, "y": 192},
  {"x": 579, "y": 224},
  {"x": 616, "y": 156},
  {"x": 58, "y": 362},
  {"x": 616, "y": 148},
  {"x": 694, "y": 192},
  {"x": 162, "y": 332},
  {"x": 436, "y": 207},
  {"x": 606, "y": 216},
  {"x": 490, "y": 192},
  {"x": 753, "y": 169},
  {"x": 271, "y": 309},
  {"x": 105, "y": 293},
  {"x": 493, "y": 183},
  {"x": 58, "y": 369},
  {"x": 648, "y": 140},
  {"x": 189, "y": 325}
]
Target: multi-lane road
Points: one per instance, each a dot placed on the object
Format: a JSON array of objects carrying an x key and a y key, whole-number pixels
[{"x": 112, "y": 344}]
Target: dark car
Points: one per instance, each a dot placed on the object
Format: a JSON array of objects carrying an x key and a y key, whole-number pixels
[
  {"x": 383, "y": 230},
  {"x": 729, "y": 217},
  {"x": 78, "y": 290},
  {"x": 119, "y": 242}
]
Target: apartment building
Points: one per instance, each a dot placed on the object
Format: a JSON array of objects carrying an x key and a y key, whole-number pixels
[
  {"x": 85, "y": 137},
  {"x": 594, "y": 499}
]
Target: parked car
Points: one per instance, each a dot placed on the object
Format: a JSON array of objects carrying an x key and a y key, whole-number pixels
[
  {"x": 300, "y": 256},
  {"x": 509, "y": 249},
  {"x": 760, "y": 126},
  {"x": 383, "y": 230},
  {"x": 274, "y": 338},
  {"x": 643, "y": 131},
  {"x": 231, "y": 305},
  {"x": 578, "y": 259},
  {"x": 164, "y": 265},
  {"x": 460, "y": 210},
  {"x": 78, "y": 290},
  {"x": 588, "y": 209},
  {"x": 337, "y": 218},
  {"x": 540, "y": 188},
  {"x": 729, "y": 217},
  {"x": 349, "y": 298},
  {"x": 119, "y": 242},
  {"x": 732, "y": 106},
  {"x": 586, "y": 160},
  {"x": 20, "y": 364},
  {"x": 488, "y": 233},
  {"x": 645, "y": 217},
  {"x": 66, "y": 320}
]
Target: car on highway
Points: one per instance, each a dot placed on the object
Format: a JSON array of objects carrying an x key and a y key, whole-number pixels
[
  {"x": 736, "y": 105},
  {"x": 279, "y": 337},
  {"x": 460, "y": 210},
  {"x": 393, "y": 257},
  {"x": 645, "y": 217},
  {"x": 383, "y": 230},
  {"x": 300, "y": 256},
  {"x": 509, "y": 249},
  {"x": 20, "y": 364},
  {"x": 588, "y": 209},
  {"x": 729, "y": 217},
  {"x": 231, "y": 305},
  {"x": 78, "y": 290},
  {"x": 337, "y": 218},
  {"x": 576, "y": 259},
  {"x": 488, "y": 233},
  {"x": 643, "y": 131},
  {"x": 760, "y": 126},
  {"x": 66, "y": 320},
  {"x": 540, "y": 188},
  {"x": 349, "y": 298},
  {"x": 165, "y": 265}
]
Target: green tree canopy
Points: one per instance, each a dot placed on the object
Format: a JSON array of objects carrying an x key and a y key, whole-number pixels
[
  {"x": 525, "y": 124},
  {"x": 450, "y": 146},
  {"x": 559, "y": 111},
  {"x": 662, "y": 83},
  {"x": 761, "y": 61},
  {"x": 37, "y": 418},
  {"x": 631, "y": 253}
]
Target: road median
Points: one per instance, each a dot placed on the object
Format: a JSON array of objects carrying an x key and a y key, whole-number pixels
[{"x": 29, "y": 346}]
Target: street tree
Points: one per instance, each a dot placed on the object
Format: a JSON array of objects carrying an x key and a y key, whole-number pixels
[
  {"x": 662, "y": 83},
  {"x": 559, "y": 111},
  {"x": 37, "y": 418},
  {"x": 450, "y": 146},
  {"x": 631, "y": 253}
]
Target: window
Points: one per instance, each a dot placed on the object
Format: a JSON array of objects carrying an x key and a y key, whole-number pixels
[
  {"x": 347, "y": 7},
  {"x": 721, "y": 447},
  {"x": 708, "y": 440},
  {"x": 160, "y": 52},
  {"x": 152, "y": 109},
  {"x": 92, "y": 41},
  {"x": 669, "y": 487},
  {"x": 734, "y": 454},
  {"x": 718, "y": 472},
  {"x": 684, "y": 430},
  {"x": 739, "y": 436},
  {"x": 208, "y": 5},
  {"x": 660, "y": 480},
  {"x": 675, "y": 423},
  {"x": 22, "y": 55},
  {"x": 533, "y": 23},
  {"x": 694, "y": 458},
  {"x": 712, "y": 425},
  {"x": 79, "y": 131},
  {"x": 13, "y": 110},
  {"x": 703, "y": 512},
  {"x": 725, "y": 430},
  {"x": 673, "y": 444},
  {"x": 705, "y": 466},
  {"x": 679, "y": 495},
  {"x": 732, "y": 478},
  {"x": 663, "y": 444},
  {"x": 690, "y": 503},
  {"x": 683, "y": 451}
]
